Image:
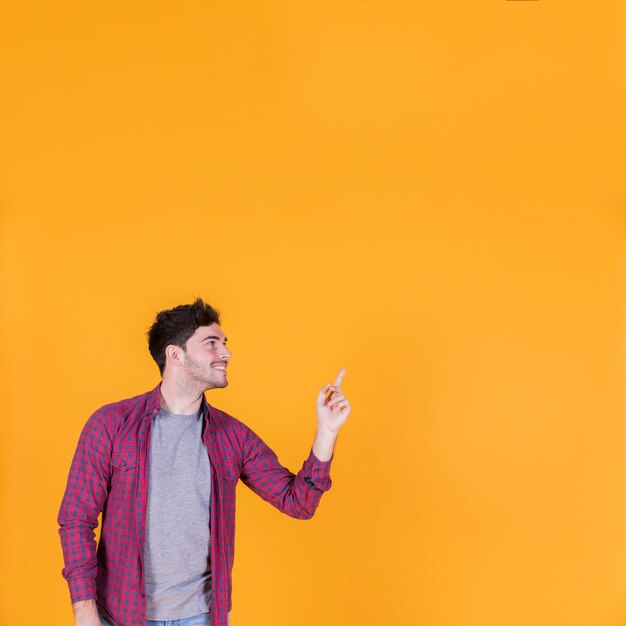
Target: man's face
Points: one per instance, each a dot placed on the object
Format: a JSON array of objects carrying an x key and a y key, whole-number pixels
[{"x": 207, "y": 357}]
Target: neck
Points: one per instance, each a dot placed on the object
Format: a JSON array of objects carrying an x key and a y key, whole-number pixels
[{"x": 180, "y": 397}]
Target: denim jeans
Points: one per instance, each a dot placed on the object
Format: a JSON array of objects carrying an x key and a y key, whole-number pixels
[{"x": 194, "y": 620}]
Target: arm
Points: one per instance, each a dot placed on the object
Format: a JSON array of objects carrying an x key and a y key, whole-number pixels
[
  {"x": 84, "y": 499},
  {"x": 298, "y": 495},
  {"x": 324, "y": 444},
  {"x": 86, "y": 613}
]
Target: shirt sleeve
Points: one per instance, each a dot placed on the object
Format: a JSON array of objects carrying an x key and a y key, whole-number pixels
[
  {"x": 84, "y": 499},
  {"x": 297, "y": 495}
]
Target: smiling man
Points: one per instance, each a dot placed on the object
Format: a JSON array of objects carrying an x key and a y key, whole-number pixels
[{"x": 162, "y": 467}]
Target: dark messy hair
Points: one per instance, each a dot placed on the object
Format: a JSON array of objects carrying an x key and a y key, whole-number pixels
[{"x": 175, "y": 326}]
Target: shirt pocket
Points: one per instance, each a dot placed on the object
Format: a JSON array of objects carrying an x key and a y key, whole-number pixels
[
  {"x": 228, "y": 473},
  {"x": 227, "y": 476},
  {"x": 123, "y": 464}
]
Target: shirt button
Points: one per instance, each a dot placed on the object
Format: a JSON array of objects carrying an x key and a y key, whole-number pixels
[{"x": 123, "y": 462}]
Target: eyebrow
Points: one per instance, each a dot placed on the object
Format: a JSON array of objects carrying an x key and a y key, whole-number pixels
[{"x": 213, "y": 337}]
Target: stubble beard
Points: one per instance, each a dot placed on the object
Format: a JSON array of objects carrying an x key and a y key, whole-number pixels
[{"x": 198, "y": 376}]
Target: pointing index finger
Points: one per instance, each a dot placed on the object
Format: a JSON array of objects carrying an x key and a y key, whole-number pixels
[{"x": 339, "y": 377}]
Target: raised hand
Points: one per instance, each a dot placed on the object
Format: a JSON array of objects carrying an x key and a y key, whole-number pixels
[{"x": 332, "y": 409}]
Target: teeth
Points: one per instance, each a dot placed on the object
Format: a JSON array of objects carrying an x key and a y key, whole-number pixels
[{"x": 217, "y": 367}]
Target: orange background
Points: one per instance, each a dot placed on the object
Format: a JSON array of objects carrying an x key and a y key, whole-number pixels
[{"x": 429, "y": 194}]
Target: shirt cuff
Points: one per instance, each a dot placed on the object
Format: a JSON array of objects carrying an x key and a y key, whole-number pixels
[
  {"x": 316, "y": 472},
  {"x": 82, "y": 589}
]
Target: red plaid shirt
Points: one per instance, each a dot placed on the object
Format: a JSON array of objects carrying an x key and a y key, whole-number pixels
[{"x": 109, "y": 473}]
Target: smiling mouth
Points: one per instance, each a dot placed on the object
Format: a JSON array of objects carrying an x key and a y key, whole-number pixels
[{"x": 220, "y": 368}]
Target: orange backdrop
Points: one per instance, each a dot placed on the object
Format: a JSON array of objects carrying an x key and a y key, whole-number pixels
[{"x": 429, "y": 194}]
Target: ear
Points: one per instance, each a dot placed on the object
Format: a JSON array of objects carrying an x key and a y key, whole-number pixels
[{"x": 173, "y": 355}]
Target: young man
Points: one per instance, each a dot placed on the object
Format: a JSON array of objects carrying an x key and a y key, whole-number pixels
[{"x": 162, "y": 467}]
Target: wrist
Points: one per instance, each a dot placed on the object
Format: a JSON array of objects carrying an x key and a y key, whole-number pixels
[
  {"x": 324, "y": 443},
  {"x": 325, "y": 435}
]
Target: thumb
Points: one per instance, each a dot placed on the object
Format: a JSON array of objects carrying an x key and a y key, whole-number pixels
[{"x": 322, "y": 394}]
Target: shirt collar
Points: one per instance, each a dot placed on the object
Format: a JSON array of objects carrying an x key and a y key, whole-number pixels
[{"x": 153, "y": 403}]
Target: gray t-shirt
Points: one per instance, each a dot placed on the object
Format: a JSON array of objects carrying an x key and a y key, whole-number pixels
[{"x": 177, "y": 554}]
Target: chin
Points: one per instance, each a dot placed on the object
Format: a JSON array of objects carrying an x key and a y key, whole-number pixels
[{"x": 217, "y": 384}]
